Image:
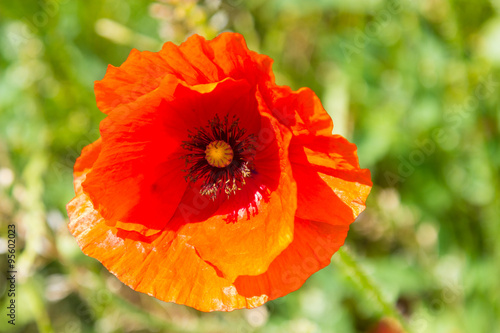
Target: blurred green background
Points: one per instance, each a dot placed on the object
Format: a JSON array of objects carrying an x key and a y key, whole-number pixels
[{"x": 414, "y": 84}]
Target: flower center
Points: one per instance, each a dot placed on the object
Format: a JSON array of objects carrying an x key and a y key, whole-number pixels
[{"x": 220, "y": 155}]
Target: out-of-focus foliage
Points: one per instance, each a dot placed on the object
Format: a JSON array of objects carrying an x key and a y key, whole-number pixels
[{"x": 413, "y": 83}]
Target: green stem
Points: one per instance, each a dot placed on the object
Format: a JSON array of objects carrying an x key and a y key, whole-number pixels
[
  {"x": 38, "y": 307},
  {"x": 354, "y": 271}
]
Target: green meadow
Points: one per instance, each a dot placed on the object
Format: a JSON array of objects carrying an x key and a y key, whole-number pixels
[{"x": 414, "y": 84}]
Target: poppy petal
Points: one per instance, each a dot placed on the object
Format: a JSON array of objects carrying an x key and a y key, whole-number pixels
[
  {"x": 198, "y": 105},
  {"x": 167, "y": 267},
  {"x": 313, "y": 245},
  {"x": 134, "y": 259},
  {"x": 301, "y": 111},
  {"x": 215, "y": 214},
  {"x": 84, "y": 163},
  {"x": 140, "y": 74},
  {"x": 137, "y": 181},
  {"x": 245, "y": 240},
  {"x": 230, "y": 53},
  {"x": 331, "y": 187},
  {"x": 196, "y": 61}
]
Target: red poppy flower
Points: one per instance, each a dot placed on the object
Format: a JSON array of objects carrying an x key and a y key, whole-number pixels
[{"x": 211, "y": 186}]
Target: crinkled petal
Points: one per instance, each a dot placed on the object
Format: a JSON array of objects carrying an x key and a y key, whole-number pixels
[
  {"x": 134, "y": 211},
  {"x": 138, "y": 180},
  {"x": 331, "y": 187},
  {"x": 300, "y": 110},
  {"x": 313, "y": 245},
  {"x": 198, "y": 105},
  {"x": 163, "y": 266},
  {"x": 140, "y": 74},
  {"x": 84, "y": 163},
  {"x": 247, "y": 231},
  {"x": 229, "y": 53},
  {"x": 196, "y": 61}
]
